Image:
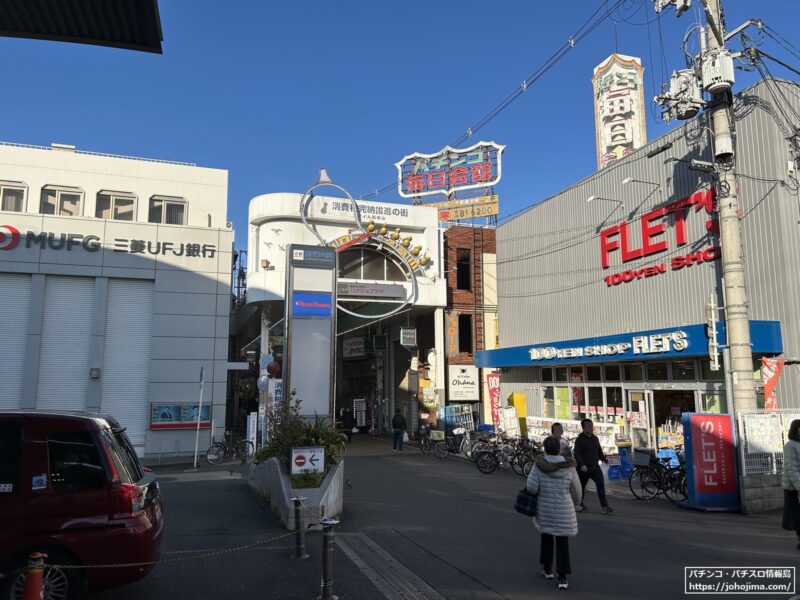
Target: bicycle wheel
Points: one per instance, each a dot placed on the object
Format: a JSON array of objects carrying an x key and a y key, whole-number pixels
[
  {"x": 215, "y": 454},
  {"x": 440, "y": 450},
  {"x": 644, "y": 483},
  {"x": 487, "y": 463},
  {"x": 527, "y": 468},
  {"x": 245, "y": 450},
  {"x": 479, "y": 448},
  {"x": 519, "y": 461},
  {"x": 675, "y": 485}
]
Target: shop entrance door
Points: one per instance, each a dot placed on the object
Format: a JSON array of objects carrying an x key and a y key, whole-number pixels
[{"x": 639, "y": 410}]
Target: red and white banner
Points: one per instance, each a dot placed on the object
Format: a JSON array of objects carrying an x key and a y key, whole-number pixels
[
  {"x": 770, "y": 372},
  {"x": 493, "y": 382}
]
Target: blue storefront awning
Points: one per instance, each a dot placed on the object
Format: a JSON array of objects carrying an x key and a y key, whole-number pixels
[{"x": 670, "y": 342}]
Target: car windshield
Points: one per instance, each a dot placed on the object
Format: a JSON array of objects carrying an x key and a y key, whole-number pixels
[{"x": 123, "y": 455}]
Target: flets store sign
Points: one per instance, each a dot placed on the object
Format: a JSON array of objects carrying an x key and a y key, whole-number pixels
[
  {"x": 661, "y": 230},
  {"x": 11, "y": 237}
]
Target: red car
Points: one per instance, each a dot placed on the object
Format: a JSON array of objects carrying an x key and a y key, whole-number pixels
[{"x": 72, "y": 487}]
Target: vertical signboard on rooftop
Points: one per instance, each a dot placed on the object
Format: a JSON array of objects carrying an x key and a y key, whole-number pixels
[{"x": 619, "y": 108}]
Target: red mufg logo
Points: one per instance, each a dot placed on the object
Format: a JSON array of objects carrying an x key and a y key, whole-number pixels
[{"x": 9, "y": 237}]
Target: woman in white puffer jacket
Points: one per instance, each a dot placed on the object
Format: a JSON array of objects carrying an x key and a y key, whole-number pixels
[{"x": 555, "y": 482}]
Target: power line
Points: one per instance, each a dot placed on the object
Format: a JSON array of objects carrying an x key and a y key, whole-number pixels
[{"x": 589, "y": 26}]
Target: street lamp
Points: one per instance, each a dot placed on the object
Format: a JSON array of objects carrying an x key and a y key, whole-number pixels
[{"x": 628, "y": 180}]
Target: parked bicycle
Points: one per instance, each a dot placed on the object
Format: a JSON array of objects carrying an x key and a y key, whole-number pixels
[
  {"x": 230, "y": 448},
  {"x": 458, "y": 443},
  {"x": 659, "y": 477},
  {"x": 425, "y": 443}
]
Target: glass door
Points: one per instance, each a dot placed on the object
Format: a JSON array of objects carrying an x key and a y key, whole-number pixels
[{"x": 640, "y": 414}]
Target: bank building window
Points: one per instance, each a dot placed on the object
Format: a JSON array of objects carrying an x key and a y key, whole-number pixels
[
  {"x": 117, "y": 206},
  {"x": 12, "y": 196},
  {"x": 61, "y": 201},
  {"x": 167, "y": 210}
]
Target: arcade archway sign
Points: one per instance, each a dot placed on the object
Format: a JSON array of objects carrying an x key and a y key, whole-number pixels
[{"x": 378, "y": 238}]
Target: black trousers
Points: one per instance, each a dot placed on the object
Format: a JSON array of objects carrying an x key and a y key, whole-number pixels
[
  {"x": 595, "y": 474},
  {"x": 791, "y": 511},
  {"x": 562, "y": 553}
]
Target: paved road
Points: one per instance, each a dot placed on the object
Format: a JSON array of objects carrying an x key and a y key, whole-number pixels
[
  {"x": 415, "y": 527},
  {"x": 456, "y": 529},
  {"x": 216, "y": 509}
]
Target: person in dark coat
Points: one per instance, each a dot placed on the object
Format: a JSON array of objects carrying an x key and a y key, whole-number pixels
[
  {"x": 791, "y": 481},
  {"x": 588, "y": 454},
  {"x": 398, "y": 429},
  {"x": 554, "y": 481}
]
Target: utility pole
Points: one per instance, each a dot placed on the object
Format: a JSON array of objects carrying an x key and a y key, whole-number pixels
[{"x": 714, "y": 74}]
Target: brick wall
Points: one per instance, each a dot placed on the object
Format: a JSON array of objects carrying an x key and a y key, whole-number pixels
[{"x": 478, "y": 241}]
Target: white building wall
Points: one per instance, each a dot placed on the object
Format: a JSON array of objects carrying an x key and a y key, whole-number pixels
[{"x": 189, "y": 295}]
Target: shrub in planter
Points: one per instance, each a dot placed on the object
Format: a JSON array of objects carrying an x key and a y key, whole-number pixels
[{"x": 286, "y": 429}]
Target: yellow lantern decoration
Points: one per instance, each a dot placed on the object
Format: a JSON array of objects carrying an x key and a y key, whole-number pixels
[
  {"x": 416, "y": 250},
  {"x": 396, "y": 235},
  {"x": 406, "y": 242},
  {"x": 371, "y": 226},
  {"x": 383, "y": 230},
  {"x": 424, "y": 260}
]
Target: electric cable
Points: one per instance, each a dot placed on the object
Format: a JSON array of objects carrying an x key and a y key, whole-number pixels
[{"x": 585, "y": 30}]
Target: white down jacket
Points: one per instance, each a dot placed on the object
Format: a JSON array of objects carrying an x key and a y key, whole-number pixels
[{"x": 558, "y": 491}]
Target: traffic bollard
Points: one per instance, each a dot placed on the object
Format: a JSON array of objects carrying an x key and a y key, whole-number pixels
[
  {"x": 300, "y": 528},
  {"x": 328, "y": 542},
  {"x": 34, "y": 578}
]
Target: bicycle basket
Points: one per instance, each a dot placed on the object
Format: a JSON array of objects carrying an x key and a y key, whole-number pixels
[
  {"x": 437, "y": 436},
  {"x": 641, "y": 458}
]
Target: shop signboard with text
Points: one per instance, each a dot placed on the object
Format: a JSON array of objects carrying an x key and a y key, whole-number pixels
[
  {"x": 493, "y": 383},
  {"x": 450, "y": 170},
  {"x": 662, "y": 230},
  {"x": 463, "y": 383},
  {"x": 711, "y": 476},
  {"x": 676, "y": 342}
]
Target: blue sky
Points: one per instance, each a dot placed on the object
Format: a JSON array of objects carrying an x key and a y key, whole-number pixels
[{"x": 274, "y": 90}]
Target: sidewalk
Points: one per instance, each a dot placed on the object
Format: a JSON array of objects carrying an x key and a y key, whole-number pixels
[{"x": 213, "y": 510}]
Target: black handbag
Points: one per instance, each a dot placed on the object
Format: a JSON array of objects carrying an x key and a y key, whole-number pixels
[{"x": 526, "y": 503}]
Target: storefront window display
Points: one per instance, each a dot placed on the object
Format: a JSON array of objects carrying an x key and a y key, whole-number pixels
[
  {"x": 614, "y": 404},
  {"x": 634, "y": 372},
  {"x": 683, "y": 370},
  {"x": 561, "y": 373},
  {"x": 709, "y": 375},
  {"x": 548, "y": 400},
  {"x": 563, "y": 403},
  {"x": 612, "y": 373},
  {"x": 657, "y": 371},
  {"x": 594, "y": 373},
  {"x": 714, "y": 403},
  {"x": 596, "y": 408}
]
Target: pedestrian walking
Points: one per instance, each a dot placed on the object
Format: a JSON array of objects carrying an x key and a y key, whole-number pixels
[
  {"x": 588, "y": 455},
  {"x": 555, "y": 482},
  {"x": 791, "y": 481},
  {"x": 557, "y": 431},
  {"x": 398, "y": 430}
]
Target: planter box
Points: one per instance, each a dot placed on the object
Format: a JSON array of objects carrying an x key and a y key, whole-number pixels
[{"x": 326, "y": 501}]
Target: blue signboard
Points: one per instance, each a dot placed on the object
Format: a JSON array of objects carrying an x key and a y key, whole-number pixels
[
  {"x": 312, "y": 304},
  {"x": 711, "y": 476},
  {"x": 670, "y": 342}
]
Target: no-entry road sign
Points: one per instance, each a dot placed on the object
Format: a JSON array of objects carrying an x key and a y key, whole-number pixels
[{"x": 308, "y": 460}]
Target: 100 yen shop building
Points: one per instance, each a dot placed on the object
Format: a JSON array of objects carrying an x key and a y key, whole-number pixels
[{"x": 603, "y": 289}]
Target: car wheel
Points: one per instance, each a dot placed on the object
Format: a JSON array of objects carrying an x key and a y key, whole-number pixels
[{"x": 59, "y": 584}]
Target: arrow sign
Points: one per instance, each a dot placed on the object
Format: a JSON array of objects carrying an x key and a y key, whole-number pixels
[{"x": 308, "y": 460}]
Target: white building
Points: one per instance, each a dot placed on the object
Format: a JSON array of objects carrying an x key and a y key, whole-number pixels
[
  {"x": 115, "y": 290},
  {"x": 372, "y": 364}
]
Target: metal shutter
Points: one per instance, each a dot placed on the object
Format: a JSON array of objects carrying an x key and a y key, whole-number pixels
[
  {"x": 126, "y": 357},
  {"x": 15, "y": 296},
  {"x": 64, "y": 353}
]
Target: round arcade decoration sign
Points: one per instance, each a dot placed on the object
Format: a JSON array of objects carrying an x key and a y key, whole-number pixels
[{"x": 407, "y": 256}]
